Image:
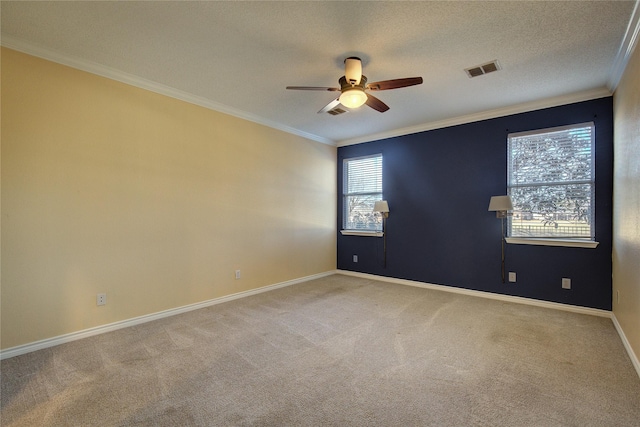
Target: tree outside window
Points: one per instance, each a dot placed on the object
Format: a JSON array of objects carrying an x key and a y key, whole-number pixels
[
  {"x": 362, "y": 177},
  {"x": 551, "y": 182}
]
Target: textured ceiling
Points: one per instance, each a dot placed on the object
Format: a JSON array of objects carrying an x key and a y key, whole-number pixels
[{"x": 238, "y": 57}]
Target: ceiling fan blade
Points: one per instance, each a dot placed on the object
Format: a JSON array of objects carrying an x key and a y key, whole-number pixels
[
  {"x": 395, "y": 83},
  {"x": 330, "y": 106},
  {"x": 330, "y": 89},
  {"x": 376, "y": 104}
]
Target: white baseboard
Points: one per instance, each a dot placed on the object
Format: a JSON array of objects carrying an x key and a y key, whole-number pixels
[
  {"x": 482, "y": 294},
  {"x": 508, "y": 298},
  {"x": 73, "y": 336},
  {"x": 61, "y": 339},
  {"x": 627, "y": 344}
]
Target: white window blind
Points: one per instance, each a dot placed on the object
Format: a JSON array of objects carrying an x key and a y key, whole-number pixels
[
  {"x": 362, "y": 187},
  {"x": 551, "y": 181}
]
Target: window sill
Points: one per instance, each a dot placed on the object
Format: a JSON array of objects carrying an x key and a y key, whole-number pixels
[
  {"x": 362, "y": 233},
  {"x": 570, "y": 243}
]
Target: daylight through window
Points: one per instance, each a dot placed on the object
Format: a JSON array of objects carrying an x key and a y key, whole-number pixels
[
  {"x": 362, "y": 187},
  {"x": 551, "y": 181}
]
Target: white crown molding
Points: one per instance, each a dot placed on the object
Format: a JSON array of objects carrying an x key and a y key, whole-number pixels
[
  {"x": 74, "y": 336},
  {"x": 629, "y": 42},
  {"x": 622, "y": 58},
  {"x": 482, "y": 294},
  {"x": 485, "y": 115},
  {"x": 132, "y": 80}
]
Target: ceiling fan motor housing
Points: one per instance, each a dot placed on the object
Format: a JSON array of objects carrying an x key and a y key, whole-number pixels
[
  {"x": 345, "y": 84},
  {"x": 353, "y": 70}
]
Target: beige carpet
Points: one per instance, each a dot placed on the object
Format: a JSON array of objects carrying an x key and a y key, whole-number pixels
[{"x": 338, "y": 351}]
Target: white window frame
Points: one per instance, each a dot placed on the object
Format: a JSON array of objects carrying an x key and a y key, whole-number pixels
[
  {"x": 553, "y": 231},
  {"x": 365, "y": 194}
]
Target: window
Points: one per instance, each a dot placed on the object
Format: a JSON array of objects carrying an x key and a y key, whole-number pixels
[
  {"x": 551, "y": 181},
  {"x": 362, "y": 187}
]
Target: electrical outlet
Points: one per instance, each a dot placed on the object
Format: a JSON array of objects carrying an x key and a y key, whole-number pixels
[
  {"x": 237, "y": 274},
  {"x": 512, "y": 276},
  {"x": 355, "y": 258},
  {"x": 566, "y": 283},
  {"x": 101, "y": 299}
]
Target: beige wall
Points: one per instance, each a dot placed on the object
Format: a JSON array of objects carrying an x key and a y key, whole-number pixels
[
  {"x": 154, "y": 201},
  {"x": 626, "y": 204}
]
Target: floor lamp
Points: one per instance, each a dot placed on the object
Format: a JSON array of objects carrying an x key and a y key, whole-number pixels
[
  {"x": 382, "y": 207},
  {"x": 500, "y": 205}
]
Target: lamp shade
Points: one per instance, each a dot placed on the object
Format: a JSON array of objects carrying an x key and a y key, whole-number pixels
[
  {"x": 500, "y": 203},
  {"x": 353, "y": 98},
  {"x": 381, "y": 206}
]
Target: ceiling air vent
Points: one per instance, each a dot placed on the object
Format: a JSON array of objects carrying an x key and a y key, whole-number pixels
[
  {"x": 479, "y": 70},
  {"x": 336, "y": 111}
]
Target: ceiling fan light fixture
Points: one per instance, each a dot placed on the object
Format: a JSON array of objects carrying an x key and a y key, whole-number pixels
[{"x": 353, "y": 98}]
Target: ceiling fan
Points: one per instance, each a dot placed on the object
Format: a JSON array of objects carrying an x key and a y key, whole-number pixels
[{"x": 353, "y": 86}]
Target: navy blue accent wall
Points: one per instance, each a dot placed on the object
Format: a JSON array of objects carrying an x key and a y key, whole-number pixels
[{"x": 438, "y": 184}]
